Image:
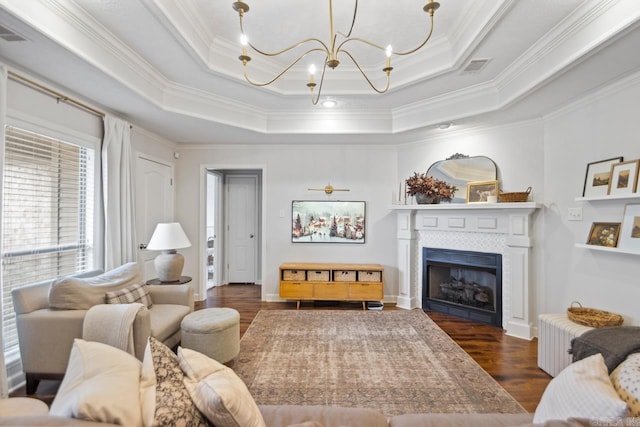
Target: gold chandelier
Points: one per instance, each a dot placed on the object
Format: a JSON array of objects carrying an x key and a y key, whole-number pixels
[{"x": 331, "y": 50}]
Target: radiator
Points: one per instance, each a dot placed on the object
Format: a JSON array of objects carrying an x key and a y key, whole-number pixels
[{"x": 555, "y": 332}]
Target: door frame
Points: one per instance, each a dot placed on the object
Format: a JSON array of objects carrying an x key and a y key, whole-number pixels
[{"x": 262, "y": 248}]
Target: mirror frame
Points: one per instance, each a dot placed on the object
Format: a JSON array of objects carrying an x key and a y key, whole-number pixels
[{"x": 461, "y": 184}]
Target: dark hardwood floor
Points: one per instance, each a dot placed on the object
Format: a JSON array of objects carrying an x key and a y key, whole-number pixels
[{"x": 512, "y": 362}]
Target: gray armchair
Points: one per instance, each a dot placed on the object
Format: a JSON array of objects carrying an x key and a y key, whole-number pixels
[{"x": 46, "y": 334}]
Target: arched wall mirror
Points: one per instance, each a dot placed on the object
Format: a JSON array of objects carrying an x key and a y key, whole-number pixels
[{"x": 460, "y": 170}]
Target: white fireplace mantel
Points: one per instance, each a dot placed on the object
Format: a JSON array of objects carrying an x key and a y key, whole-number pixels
[{"x": 484, "y": 227}]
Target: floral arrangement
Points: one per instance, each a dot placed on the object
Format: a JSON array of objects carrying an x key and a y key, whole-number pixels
[{"x": 430, "y": 187}]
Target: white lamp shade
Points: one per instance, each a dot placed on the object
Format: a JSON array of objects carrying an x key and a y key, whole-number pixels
[{"x": 167, "y": 236}]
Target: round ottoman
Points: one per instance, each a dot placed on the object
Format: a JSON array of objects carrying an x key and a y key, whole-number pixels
[{"x": 212, "y": 331}]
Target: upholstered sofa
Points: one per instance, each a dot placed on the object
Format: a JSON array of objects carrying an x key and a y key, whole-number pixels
[
  {"x": 585, "y": 387},
  {"x": 50, "y": 315}
]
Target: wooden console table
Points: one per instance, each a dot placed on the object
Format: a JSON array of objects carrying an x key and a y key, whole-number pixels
[{"x": 331, "y": 282}]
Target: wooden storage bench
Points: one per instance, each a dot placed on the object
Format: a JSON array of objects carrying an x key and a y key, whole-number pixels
[{"x": 331, "y": 282}]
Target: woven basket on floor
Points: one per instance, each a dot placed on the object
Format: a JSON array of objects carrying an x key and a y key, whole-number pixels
[
  {"x": 522, "y": 196},
  {"x": 593, "y": 317}
]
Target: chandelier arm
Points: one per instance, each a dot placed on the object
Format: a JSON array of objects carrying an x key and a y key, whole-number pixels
[
  {"x": 279, "y": 52},
  {"x": 366, "y": 77},
  {"x": 408, "y": 52},
  {"x": 353, "y": 21},
  {"x": 358, "y": 39},
  {"x": 281, "y": 73},
  {"x": 317, "y": 98}
]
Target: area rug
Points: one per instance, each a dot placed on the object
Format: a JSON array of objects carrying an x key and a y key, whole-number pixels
[{"x": 394, "y": 361}]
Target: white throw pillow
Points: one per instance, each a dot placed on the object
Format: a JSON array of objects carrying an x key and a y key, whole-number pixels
[
  {"x": 626, "y": 381},
  {"x": 218, "y": 392},
  {"x": 74, "y": 293},
  {"x": 582, "y": 390},
  {"x": 102, "y": 383}
]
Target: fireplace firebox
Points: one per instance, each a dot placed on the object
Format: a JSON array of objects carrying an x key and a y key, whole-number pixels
[{"x": 463, "y": 283}]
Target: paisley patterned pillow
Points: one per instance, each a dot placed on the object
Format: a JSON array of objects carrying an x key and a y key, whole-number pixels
[{"x": 174, "y": 406}]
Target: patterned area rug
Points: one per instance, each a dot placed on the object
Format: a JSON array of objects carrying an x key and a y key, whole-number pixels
[{"x": 394, "y": 361}]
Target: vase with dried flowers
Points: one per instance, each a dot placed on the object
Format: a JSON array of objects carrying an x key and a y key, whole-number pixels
[{"x": 429, "y": 190}]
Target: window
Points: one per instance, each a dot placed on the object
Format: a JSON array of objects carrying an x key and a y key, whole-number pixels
[{"x": 47, "y": 214}]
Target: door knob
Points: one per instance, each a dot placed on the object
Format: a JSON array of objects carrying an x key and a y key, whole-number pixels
[{"x": 143, "y": 246}]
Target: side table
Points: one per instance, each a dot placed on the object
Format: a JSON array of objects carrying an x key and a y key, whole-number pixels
[{"x": 181, "y": 281}]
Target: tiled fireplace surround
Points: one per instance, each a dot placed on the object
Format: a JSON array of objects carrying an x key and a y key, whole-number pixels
[{"x": 503, "y": 228}]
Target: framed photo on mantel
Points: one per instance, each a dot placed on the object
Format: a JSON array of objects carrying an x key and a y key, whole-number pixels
[{"x": 596, "y": 181}]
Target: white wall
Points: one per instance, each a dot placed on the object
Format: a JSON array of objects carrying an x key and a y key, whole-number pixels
[
  {"x": 600, "y": 126},
  {"x": 368, "y": 172}
]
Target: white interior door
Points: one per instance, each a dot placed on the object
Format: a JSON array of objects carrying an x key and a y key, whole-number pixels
[
  {"x": 154, "y": 204},
  {"x": 242, "y": 226}
]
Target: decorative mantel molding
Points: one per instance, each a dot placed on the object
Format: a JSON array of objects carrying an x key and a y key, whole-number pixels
[{"x": 497, "y": 227}]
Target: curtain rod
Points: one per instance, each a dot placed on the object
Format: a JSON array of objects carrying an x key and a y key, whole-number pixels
[{"x": 56, "y": 94}]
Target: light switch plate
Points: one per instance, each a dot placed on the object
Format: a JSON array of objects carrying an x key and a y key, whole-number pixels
[{"x": 575, "y": 214}]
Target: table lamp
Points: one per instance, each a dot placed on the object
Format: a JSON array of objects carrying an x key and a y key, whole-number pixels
[{"x": 168, "y": 237}]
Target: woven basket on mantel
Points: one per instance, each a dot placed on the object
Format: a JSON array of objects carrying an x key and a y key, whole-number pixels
[
  {"x": 593, "y": 317},
  {"x": 521, "y": 196}
]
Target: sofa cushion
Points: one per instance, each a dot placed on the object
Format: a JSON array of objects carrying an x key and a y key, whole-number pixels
[
  {"x": 287, "y": 415},
  {"x": 582, "y": 389},
  {"x": 165, "y": 399},
  {"x": 74, "y": 293},
  {"x": 135, "y": 293},
  {"x": 626, "y": 381},
  {"x": 218, "y": 392},
  {"x": 101, "y": 384}
]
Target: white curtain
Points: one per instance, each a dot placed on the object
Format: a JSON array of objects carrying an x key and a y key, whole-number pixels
[
  {"x": 3, "y": 116},
  {"x": 117, "y": 190}
]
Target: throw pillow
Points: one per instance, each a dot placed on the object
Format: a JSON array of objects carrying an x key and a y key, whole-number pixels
[
  {"x": 626, "y": 381},
  {"x": 173, "y": 405},
  {"x": 582, "y": 390},
  {"x": 101, "y": 384},
  {"x": 74, "y": 293},
  {"x": 218, "y": 392},
  {"x": 134, "y": 293}
]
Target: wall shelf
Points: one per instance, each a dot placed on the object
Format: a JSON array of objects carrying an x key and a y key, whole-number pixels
[
  {"x": 606, "y": 249},
  {"x": 607, "y": 197}
]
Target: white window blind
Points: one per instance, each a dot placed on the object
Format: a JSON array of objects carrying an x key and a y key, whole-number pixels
[{"x": 47, "y": 215}]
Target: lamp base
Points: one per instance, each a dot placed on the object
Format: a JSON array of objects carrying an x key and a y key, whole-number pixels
[{"x": 169, "y": 265}]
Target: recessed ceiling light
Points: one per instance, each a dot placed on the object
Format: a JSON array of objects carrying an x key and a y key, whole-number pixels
[
  {"x": 329, "y": 103},
  {"x": 444, "y": 125}
]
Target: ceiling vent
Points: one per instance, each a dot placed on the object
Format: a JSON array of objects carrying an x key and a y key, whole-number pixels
[
  {"x": 10, "y": 36},
  {"x": 476, "y": 65}
]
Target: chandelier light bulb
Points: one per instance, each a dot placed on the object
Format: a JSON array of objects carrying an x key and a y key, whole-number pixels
[
  {"x": 243, "y": 40},
  {"x": 389, "y": 51},
  {"x": 312, "y": 70}
]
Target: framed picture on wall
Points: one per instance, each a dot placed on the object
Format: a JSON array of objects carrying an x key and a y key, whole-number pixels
[
  {"x": 624, "y": 177},
  {"x": 327, "y": 222},
  {"x": 596, "y": 180},
  {"x": 630, "y": 232},
  {"x": 479, "y": 191},
  {"x": 604, "y": 234}
]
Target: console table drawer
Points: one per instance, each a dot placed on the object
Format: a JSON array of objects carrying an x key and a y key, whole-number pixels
[
  {"x": 331, "y": 291},
  {"x": 296, "y": 290},
  {"x": 318, "y": 275},
  {"x": 365, "y": 291},
  {"x": 293, "y": 275},
  {"x": 369, "y": 276}
]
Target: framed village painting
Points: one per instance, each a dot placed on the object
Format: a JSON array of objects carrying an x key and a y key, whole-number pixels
[{"x": 328, "y": 222}]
